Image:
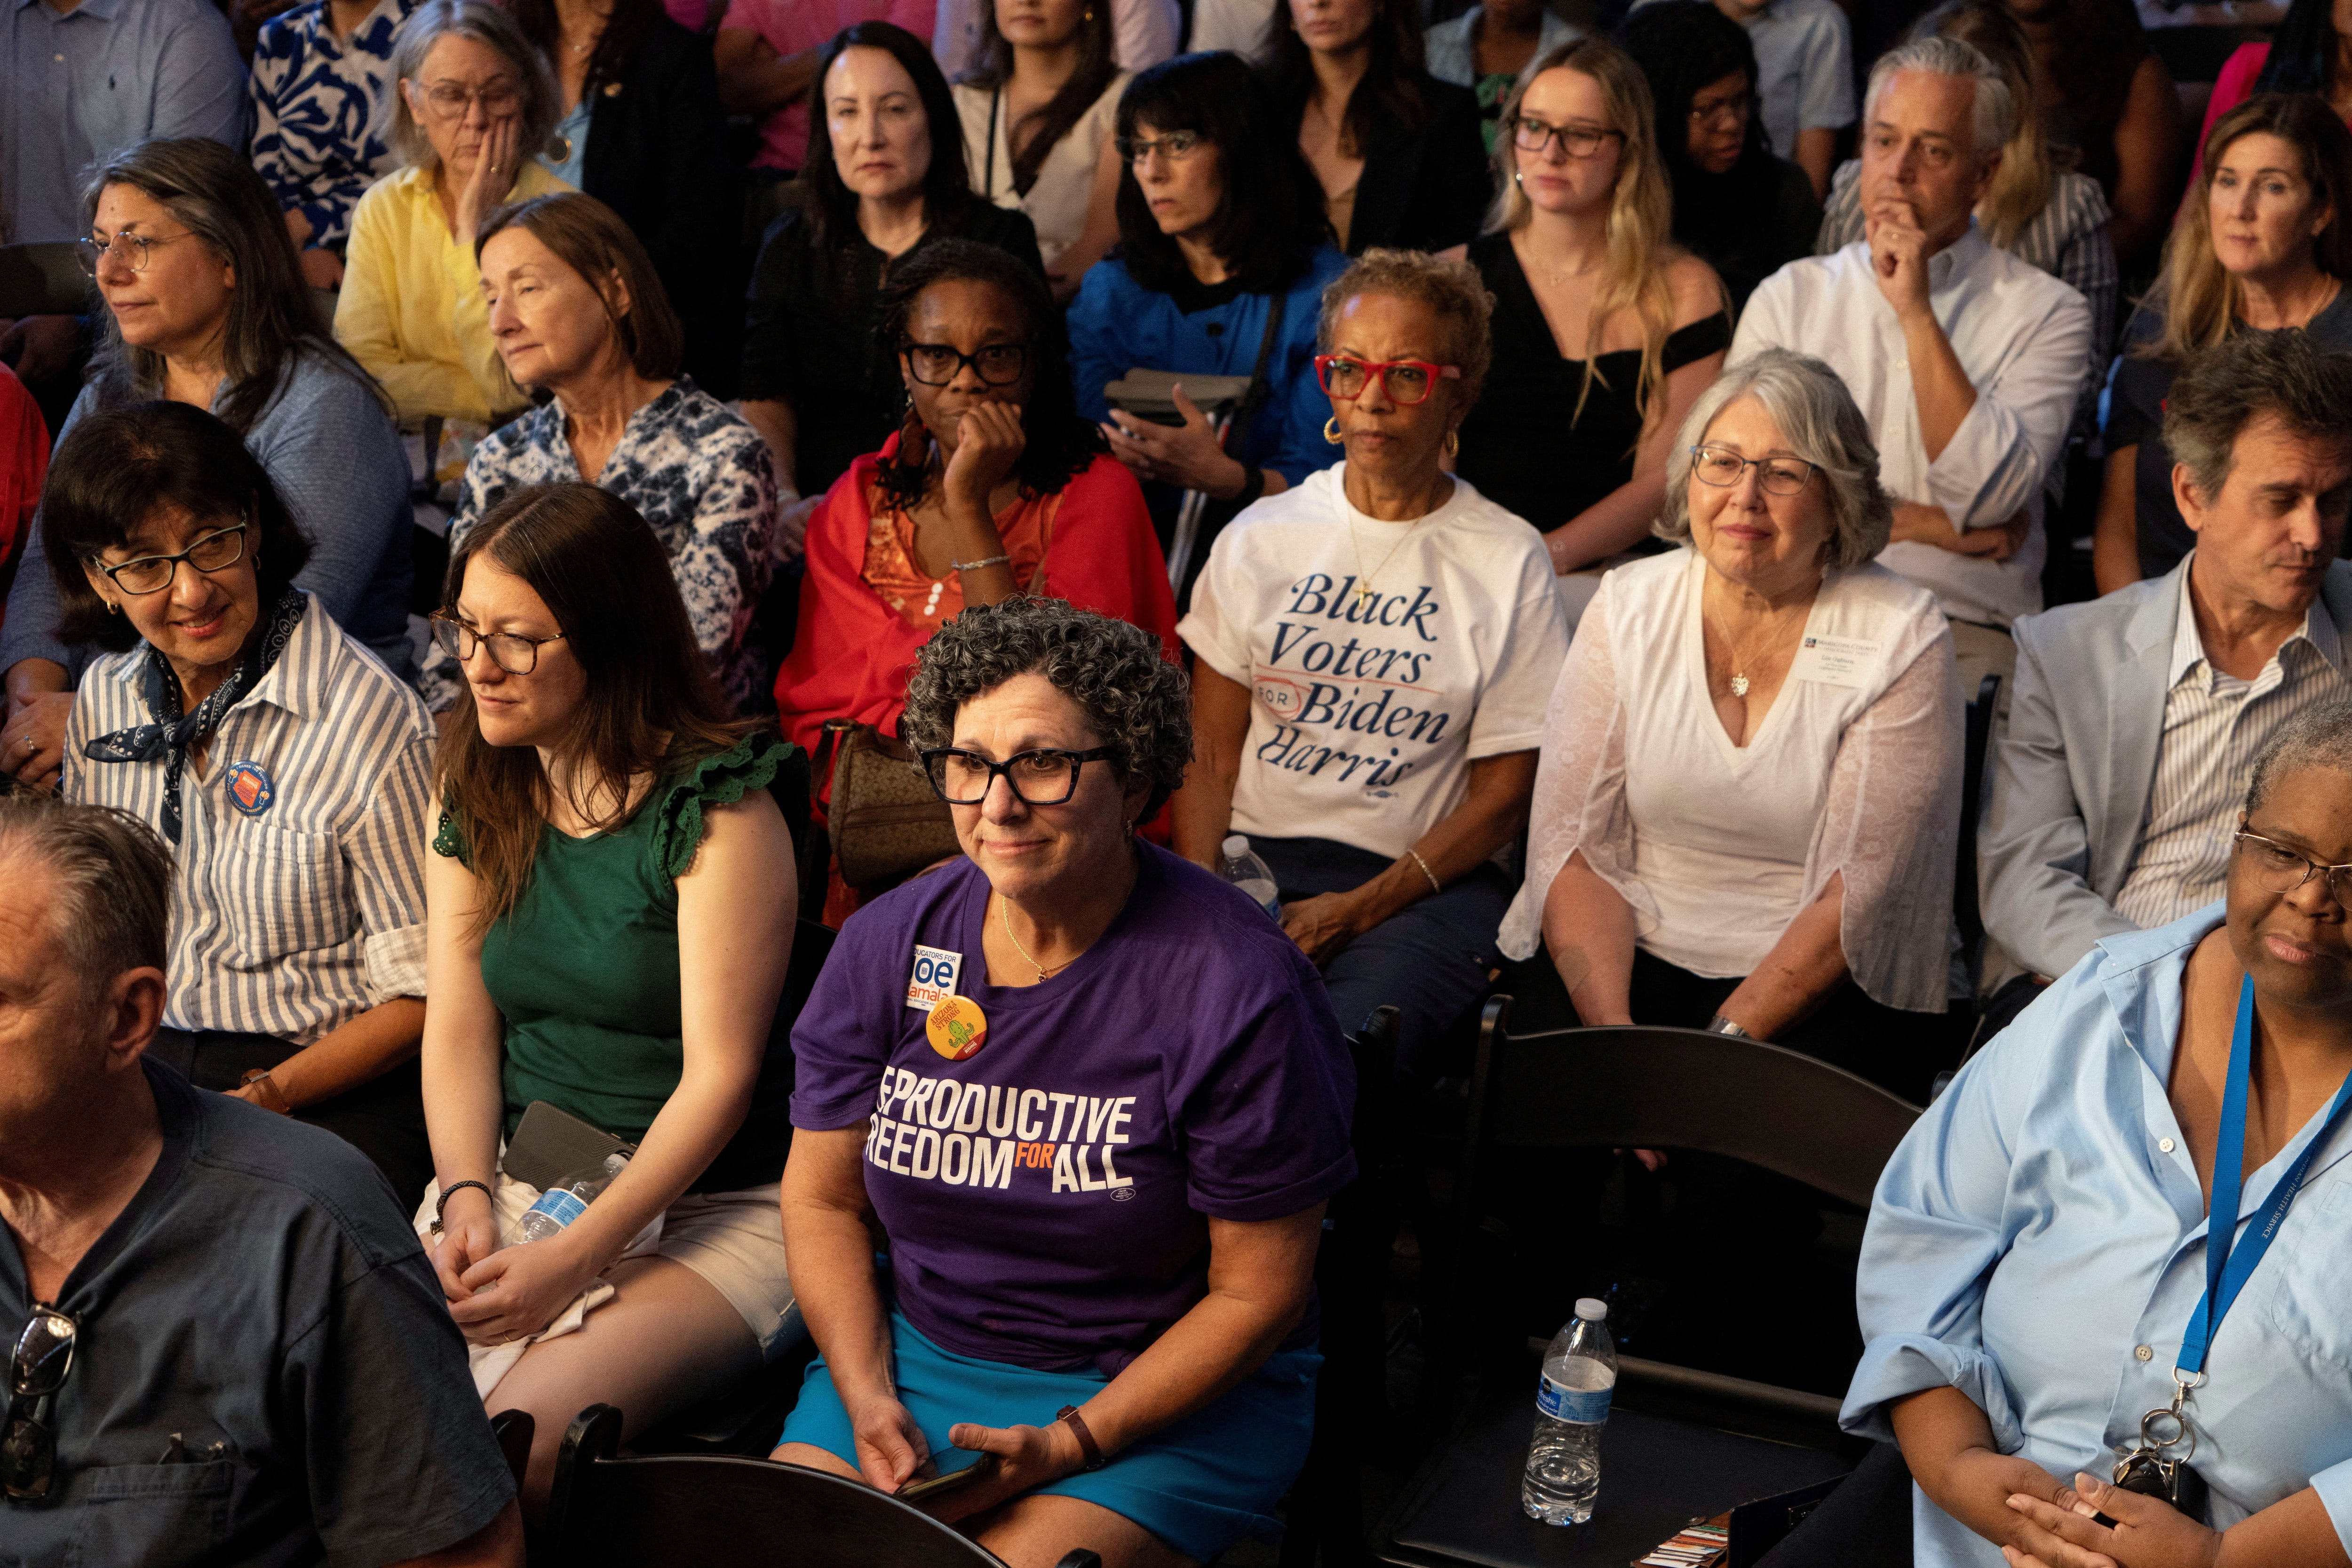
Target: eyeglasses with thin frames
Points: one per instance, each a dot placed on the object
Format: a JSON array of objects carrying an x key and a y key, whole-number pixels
[
  {"x": 2277, "y": 868},
  {"x": 1040, "y": 777},
  {"x": 215, "y": 551},
  {"x": 1530, "y": 135},
  {"x": 28, "y": 1447},
  {"x": 1177, "y": 146},
  {"x": 1737, "y": 107},
  {"x": 510, "y": 651},
  {"x": 450, "y": 100},
  {"x": 938, "y": 364},
  {"x": 1721, "y": 466},
  {"x": 131, "y": 249}
]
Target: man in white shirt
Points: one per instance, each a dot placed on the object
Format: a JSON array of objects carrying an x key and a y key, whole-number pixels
[
  {"x": 1966, "y": 361},
  {"x": 2139, "y": 715}
]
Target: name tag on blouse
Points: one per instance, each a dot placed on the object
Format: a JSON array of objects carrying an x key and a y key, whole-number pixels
[{"x": 1834, "y": 661}]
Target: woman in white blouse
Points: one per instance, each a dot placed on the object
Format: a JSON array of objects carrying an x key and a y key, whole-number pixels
[
  {"x": 1039, "y": 108},
  {"x": 1749, "y": 794}
]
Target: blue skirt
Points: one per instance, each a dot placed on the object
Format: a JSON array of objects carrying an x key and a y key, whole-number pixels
[{"x": 1199, "y": 1484}]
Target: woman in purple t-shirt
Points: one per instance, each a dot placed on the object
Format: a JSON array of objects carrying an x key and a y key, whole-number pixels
[{"x": 1094, "y": 1099}]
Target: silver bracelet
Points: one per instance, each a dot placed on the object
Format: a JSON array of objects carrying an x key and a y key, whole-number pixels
[
  {"x": 1434, "y": 886},
  {"x": 1720, "y": 1025},
  {"x": 984, "y": 561}
]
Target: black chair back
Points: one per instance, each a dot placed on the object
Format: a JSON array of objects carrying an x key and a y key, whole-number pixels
[
  {"x": 691, "y": 1510},
  {"x": 514, "y": 1429}
]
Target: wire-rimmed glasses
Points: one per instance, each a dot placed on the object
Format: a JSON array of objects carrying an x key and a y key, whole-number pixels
[
  {"x": 131, "y": 249},
  {"x": 1721, "y": 466},
  {"x": 2277, "y": 868}
]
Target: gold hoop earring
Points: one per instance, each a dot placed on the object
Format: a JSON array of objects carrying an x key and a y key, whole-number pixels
[
  {"x": 1453, "y": 442},
  {"x": 1331, "y": 431}
]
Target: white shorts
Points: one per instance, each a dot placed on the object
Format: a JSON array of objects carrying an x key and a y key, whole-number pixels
[{"x": 736, "y": 1242}]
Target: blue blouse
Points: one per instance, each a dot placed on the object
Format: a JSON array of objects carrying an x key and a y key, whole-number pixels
[
  {"x": 1118, "y": 325},
  {"x": 2038, "y": 1243}
]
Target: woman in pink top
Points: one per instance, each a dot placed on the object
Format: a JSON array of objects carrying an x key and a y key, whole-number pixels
[
  {"x": 2311, "y": 53},
  {"x": 767, "y": 53}
]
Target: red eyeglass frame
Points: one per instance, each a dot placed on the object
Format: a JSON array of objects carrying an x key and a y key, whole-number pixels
[{"x": 1378, "y": 370}]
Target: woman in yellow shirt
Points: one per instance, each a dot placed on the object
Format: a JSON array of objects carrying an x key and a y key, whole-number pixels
[{"x": 474, "y": 100}]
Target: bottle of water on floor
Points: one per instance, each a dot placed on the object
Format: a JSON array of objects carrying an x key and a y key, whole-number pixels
[
  {"x": 1580, "y": 1374},
  {"x": 566, "y": 1201},
  {"x": 1244, "y": 871}
]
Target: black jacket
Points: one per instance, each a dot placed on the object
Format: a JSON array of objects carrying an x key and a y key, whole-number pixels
[
  {"x": 1425, "y": 189},
  {"x": 657, "y": 156}
]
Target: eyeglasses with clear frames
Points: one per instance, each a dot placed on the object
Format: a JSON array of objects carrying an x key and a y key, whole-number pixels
[
  {"x": 28, "y": 1445},
  {"x": 510, "y": 651},
  {"x": 1721, "y": 466},
  {"x": 1530, "y": 135},
  {"x": 452, "y": 100},
  {"x": 2277, "y": 868},
  {"x": 131, "y": 249},
  {"x": 1041, "y": 778}
]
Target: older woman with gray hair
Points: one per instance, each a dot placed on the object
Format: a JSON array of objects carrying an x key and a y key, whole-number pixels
[
  {"x": 1749, "y": 798},
  {"x": 1095, "y": 1103},
  {"x": 473, "y": 101},
  {"x": 1373, "y": 648}
]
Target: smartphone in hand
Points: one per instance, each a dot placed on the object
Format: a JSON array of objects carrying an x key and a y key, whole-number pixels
[{"x": 923, "y": 1489}]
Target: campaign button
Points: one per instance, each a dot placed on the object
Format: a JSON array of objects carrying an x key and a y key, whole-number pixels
[
  {"x": 957, "y": 1028},
  {"x": 249, "y": 788}
]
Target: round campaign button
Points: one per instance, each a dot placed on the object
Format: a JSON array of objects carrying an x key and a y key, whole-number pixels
[
  {"x": 957, "y": 1027},
  {"x": 250, "y": 788}
]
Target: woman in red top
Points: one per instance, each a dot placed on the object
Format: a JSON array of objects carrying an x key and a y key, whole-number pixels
[
  {"x": 2311, "y": 52},
  {"x": 991, "y": 486}
]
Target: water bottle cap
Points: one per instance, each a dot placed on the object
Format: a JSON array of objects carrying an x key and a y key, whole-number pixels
[
  {"x": 1591, "y": 1310},
  {"x": 1236, "y": 846}
]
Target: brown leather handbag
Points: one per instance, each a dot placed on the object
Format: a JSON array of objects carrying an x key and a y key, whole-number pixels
[{"x": 885, "y": 820}]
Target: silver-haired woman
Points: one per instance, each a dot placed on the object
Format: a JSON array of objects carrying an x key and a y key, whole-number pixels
[
  {"x": 473, "y": 101},
  {"x": 1746, "y": 812}
]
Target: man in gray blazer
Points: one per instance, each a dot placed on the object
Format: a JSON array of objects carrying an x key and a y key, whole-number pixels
[{"x": 2137, "y": 717}]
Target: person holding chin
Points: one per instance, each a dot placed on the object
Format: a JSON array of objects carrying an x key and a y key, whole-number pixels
[
  {"x": 1093, "y": 1103},
  {"x": 1373, "y": 652},
  {"x": 610, "y": 901},
  {"x": 578, "y": 313},
  {"x": 284, "y": 764},
  {"x": 2036, "y": 1282},
  {"x": 1768, "y": 662}
]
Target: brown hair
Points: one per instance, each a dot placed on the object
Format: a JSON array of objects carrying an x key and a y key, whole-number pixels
[
  {"x": 2202, "y": 298},
  {"x": 590, "y": 238},
  {"x": 651, "y": 709},
  {"x": 1453, "y": 290}
]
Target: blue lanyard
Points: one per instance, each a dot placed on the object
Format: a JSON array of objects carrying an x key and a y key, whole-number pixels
[{"x": 2228, "y": 1263}]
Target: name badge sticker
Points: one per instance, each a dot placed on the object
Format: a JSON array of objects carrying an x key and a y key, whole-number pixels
[
  {"x": 1836, "y": 661},
  {"x": 933, "y": 978}
]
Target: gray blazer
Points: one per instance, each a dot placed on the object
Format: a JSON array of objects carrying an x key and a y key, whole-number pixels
[{"x": 2070, "y": 787}]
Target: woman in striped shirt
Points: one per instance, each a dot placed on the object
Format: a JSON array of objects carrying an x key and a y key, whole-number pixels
[{"x": 285, "y": 763}]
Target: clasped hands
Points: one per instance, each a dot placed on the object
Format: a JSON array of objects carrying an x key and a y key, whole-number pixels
[
  {"x": 2055, "y": 1525},
  {"x": 500, "y": 1294},
  {"x": 891, "y": 1451}
]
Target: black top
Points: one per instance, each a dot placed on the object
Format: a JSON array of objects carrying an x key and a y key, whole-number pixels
[
  {"x": 262, "y": 1292},
  {"x": 1518, "y": 446},
  {"x": 1771, "y": 226},
  {"x": 810, "y": 341},
  {"x": 657, "y": 155},
  {"x": 1427, "y": 189},
  {"x": 2135, "y": 417}
]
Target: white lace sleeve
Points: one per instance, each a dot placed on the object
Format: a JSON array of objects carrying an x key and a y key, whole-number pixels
[
  {"x": 1892, "y": 825},
  {"x": 1579, "y": 795}
]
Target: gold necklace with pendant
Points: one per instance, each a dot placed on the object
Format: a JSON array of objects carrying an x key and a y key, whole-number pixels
[{"x": 1740, "y": 682}]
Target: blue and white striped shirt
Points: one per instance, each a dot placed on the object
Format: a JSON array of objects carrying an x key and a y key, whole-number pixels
[{"x": 299, "y": 901}]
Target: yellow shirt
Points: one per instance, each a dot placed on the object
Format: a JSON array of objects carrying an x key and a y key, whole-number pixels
[{"x": 412, "y": 308}]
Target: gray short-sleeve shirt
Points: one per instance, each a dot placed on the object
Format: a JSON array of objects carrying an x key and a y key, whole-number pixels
[{"x": 262, "y": 1292}]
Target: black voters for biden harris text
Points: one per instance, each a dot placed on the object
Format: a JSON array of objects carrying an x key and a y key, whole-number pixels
[{"x": 1342, "y": 678}]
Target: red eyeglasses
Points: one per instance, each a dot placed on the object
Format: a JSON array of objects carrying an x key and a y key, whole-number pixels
[{"x": 1408, "y": 381}]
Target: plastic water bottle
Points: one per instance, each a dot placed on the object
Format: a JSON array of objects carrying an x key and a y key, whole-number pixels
[
  {"x": 1580, "y": 1374},
  {"x": 1244, "y": 871},
  {"x": 566, "y": 1201}
]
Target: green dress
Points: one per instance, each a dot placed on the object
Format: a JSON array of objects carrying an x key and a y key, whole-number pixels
[{"x": 584, "y": 971}]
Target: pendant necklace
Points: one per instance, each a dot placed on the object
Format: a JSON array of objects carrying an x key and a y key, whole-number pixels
[
  {"x": 1004, "y": 917},
  {"x": 1363, "y": 578},
  {"x": 1740, "y": 682}
]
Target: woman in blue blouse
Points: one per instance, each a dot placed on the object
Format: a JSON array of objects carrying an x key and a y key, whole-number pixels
[
  {"x": 1220, "y": 224},
  {"x": 2034, "y": 1281}
]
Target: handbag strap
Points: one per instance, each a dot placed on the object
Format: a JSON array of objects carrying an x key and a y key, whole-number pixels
[{"x": 1258, "y": 387}]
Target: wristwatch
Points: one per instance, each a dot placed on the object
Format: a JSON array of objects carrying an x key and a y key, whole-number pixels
[
  {"x": 266, "y": 1092},
  {"x": 1720, "y": 1025}
]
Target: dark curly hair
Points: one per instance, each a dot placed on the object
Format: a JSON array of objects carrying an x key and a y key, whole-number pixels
[
  {"x": 1059, "y": 445},
  {"x": 1116, "y": 672}
]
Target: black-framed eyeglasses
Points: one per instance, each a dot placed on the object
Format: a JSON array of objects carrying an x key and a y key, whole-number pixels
[
  {"x": 1721, "y": 466},
  {"x": 938, "y": 364},
  {"x": 1177, "y": 144},
  {"x": 131, "y": 249},
  {"x": 1530, "y": 135},
  {"x": 28, "y": 1449},
  {"x": 2276, "y": 869},
  {"x": 215, "y": 551},
  {"x": 1042, "y": 777},
  {"x": 510, "y": 651}
]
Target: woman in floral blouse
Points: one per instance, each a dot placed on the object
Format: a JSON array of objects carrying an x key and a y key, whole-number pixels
[{"x": 577, "y": 311}]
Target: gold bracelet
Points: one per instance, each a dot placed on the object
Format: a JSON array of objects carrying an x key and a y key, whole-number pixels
[{"x": 1434, "y": 885}]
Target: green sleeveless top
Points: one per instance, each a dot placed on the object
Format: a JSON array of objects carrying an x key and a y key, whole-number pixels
[{"x": 584, "y": 971}]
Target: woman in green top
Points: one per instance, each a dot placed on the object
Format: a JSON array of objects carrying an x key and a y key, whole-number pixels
[{"x": 609, "y": 915}]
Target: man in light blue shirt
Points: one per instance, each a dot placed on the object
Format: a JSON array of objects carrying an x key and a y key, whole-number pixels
[{"x": 2037, "y": 1247}]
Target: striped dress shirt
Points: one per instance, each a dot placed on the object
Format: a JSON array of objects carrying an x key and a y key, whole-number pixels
[
  {"x": 2213, "y": 726},
  {"x": 299, "y": 898}
]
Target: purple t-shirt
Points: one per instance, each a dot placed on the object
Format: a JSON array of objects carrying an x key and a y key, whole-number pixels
[{"x": 1047, "y": 1197}]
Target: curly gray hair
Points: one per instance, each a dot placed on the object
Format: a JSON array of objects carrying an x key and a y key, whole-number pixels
[
  {"x": 2319, "y": 737},
  {"x": 492, "y": 27},
  {"x": 1116, "y": 672},
  {"x": 1818, "y": 419}
]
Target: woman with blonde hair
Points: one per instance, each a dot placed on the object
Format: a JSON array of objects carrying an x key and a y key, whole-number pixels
[
  {"x": 1605, "y": 332},
  {"x": 2261, "y": 246}
]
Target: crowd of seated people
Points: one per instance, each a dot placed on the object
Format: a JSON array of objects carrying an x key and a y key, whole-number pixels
[{"x": 522, "y": 461}]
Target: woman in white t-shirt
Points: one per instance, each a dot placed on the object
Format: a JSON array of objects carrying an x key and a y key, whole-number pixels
[
  {"x": 1373, "y": 648},
  {"x": 1749, "y": 800},
  {"x": 1040, "y": 111}
]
